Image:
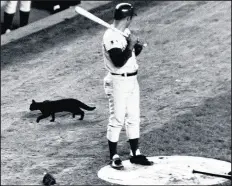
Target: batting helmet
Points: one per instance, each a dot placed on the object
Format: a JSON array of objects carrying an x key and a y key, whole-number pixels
[{"x": 123, "y": 10}]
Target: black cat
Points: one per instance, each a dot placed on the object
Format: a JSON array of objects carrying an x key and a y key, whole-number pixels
[{"x": 49, "y": 108}]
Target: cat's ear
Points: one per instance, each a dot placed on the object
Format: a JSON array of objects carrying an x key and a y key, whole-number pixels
[{"x": 33, "y": 101}]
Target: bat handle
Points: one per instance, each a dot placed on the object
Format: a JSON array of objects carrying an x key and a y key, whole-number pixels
[{"x": 143, "y": 44}]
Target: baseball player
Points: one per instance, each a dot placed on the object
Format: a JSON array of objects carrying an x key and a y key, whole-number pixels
[
  {"x": 121, "y": 86},
  {"x": 10, "y": 10}
]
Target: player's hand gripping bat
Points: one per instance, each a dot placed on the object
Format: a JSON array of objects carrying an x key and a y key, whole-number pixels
[{"x": 99, "y": 21}]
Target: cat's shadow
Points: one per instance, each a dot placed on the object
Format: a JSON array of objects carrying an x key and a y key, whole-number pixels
[
  {"x": 70, "y": 123},
  {"x": 35, "y": 114},
  {"x": 63, "y": 120},
  {"x": 31, "y": 115}
]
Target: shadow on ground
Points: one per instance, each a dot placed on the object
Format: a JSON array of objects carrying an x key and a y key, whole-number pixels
[
  {"x": 187, "y": 132},
  {"x": 191, "y": 131}
]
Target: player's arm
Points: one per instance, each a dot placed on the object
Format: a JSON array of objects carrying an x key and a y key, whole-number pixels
[{"x": 118, "y": 56}]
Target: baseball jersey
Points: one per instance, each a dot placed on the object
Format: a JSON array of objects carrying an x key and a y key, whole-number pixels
[{"x": 112, "y": 39}]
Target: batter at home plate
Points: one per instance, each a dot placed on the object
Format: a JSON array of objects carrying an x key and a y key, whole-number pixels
[{"x": 121, "y": 86}]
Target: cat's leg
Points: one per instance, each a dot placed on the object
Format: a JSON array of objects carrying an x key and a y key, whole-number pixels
[
  {"x": 73, "y": 115},
  {"x": 82, "y": 115},
  {"x": 42, "y": 117},
  {"x": 53, "y": 117}
]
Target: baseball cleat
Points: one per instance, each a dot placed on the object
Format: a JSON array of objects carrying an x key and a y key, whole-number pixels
[
  {"x": 116, "y": 162},
  {"x": 7, "y": 31},
  {"x": 140, "y": 160}
]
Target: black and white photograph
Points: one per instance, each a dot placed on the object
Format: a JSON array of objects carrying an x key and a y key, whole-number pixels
[{"x": 117, "y": 92}]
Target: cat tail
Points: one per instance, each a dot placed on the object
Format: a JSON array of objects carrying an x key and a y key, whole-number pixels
[{"x": 86, "y": 107}]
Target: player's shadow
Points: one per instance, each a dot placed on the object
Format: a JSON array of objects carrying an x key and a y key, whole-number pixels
[
  {"x": 204, "y": 130},
  {"x": 63, "y": 32}
]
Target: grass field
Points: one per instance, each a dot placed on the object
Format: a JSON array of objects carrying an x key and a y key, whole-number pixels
[{"x": 185, "y": 83}]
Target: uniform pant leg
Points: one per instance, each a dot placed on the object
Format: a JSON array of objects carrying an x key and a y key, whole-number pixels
[
  {"x": 10, "y": 7},
  {"x": 133, "y": 113},
  {"x": 9, "y": 12},
  {"x": 25, "y": 6},
  {"x": 117, "y": 107}
]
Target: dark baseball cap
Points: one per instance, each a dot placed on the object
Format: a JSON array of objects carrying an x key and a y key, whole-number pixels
[{"x": 123, "y": 10}]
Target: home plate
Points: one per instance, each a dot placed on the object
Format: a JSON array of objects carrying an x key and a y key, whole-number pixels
[{"x": 168, "y": 170}]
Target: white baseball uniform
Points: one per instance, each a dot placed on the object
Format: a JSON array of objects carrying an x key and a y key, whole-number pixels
[
  {"x": 122, "y": 91},
  {"x": 11, "y": 6}
]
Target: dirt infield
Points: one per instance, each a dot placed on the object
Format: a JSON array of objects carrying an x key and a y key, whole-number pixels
[{"x": 185, "y": 82}]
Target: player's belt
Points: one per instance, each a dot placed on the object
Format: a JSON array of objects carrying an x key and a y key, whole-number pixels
[{"x": 125, "y": 74}]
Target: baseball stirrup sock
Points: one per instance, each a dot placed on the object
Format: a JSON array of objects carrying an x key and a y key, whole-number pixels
[
  {"x": 8, "y": 20},
  {"x": 113, "y": 148},
  {"x": 134, "y": 144},
  {"x": 24, "y": 17}
]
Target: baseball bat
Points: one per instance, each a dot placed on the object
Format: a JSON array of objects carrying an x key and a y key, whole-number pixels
[
  {"x": 96, "y": 19},
  {"x": 211, "y": 174}
]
